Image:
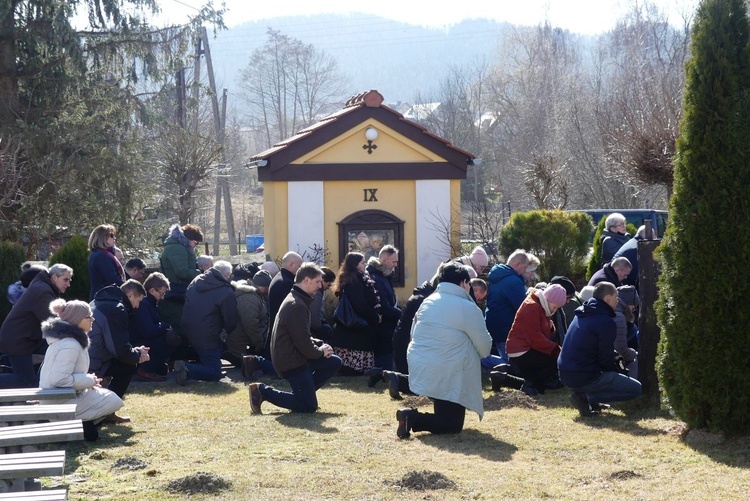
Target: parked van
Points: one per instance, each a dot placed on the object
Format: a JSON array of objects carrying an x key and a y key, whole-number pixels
[{"x": 634, "y": 216}]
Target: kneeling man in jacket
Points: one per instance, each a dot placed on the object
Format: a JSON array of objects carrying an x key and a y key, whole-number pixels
[
  {"x": 307, "y": 363},
  {"x": 588, "y": 362}
]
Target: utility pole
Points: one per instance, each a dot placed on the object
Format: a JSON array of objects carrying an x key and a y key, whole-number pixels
[{"x": 222, "y": 183}]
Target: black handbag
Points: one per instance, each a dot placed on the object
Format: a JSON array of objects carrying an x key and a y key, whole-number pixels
[{"x": 346, "y": 316}]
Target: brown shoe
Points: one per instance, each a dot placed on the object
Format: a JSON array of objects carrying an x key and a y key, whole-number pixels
[
  {"x": 142, "y": 375},
  {"x": 256, "y": 398},
  {"x": 115, "y": 419}
]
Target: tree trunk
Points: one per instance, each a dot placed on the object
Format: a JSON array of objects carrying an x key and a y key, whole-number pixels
[{"x": 8, "y": 68}]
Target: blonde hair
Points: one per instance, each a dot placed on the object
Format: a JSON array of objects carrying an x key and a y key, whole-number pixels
[{"x": 98, "y": 237}]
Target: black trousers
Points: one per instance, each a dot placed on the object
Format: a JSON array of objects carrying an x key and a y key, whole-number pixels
[
  {"x": 121, "y": 375},
  {"x": 448, "y": 418},
  {"x": 536, "y": 367}
]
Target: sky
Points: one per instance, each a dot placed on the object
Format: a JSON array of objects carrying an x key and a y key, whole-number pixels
[{"x": 579, "y": 16}]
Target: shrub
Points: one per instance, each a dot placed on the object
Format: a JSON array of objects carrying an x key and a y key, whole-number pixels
[
  {"x": 595, "y": 261},
  {"x": 559, "y": 239},
  {"x": 702, "y": 314},
  {"x": 11, "y": 259},
  {"x": 75, "y": 254}
]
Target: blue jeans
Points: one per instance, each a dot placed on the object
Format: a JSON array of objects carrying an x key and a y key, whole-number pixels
[
  {"x": 209, "y": 368},
  {"x": 611, "y": 387},
  {"x": 23, "y": 375},
  {"x": 491, "y": 361},
  {"x": 304, "y": 382},
  {"x": 384, "y": 361}
]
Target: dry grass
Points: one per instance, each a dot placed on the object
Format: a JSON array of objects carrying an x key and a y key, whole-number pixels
[{"x": 184, "y": 439}]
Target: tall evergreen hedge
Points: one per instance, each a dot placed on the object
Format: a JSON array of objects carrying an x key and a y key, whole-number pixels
[
  {"x": 703, "y": 312},
  {"x": 75, "y": 253},
  {"x": 559, "y": 239}
]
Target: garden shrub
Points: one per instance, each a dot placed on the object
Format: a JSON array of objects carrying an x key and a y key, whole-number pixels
[
  {"x": 75, "y": 253},
  {"x": 11, "y": 259},
  {"x": 559, "y": 239}
]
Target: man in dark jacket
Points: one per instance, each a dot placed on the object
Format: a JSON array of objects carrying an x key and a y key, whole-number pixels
[
  {"x": 588, "y": 361},
  {"x": 614, "y": 272},
  {"x": 110, "y": 352},
  {"x": 305, "y": 362},
  {"x": 210, "y": 308},
  {"x": 381, "y": 269},
  {"x": 21, "y": 333},
  {"x": 282, "y": 283},
  {"x": 506, "y": 290}
]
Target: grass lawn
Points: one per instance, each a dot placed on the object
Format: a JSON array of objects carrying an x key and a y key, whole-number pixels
[{"x": 349, "y": 450}]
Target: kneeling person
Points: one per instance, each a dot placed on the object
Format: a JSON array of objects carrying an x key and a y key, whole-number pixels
[
  {"x": 588, "y": 360},
  {"x": 307, "y": 363}
]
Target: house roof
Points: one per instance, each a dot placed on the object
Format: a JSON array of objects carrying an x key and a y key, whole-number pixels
[{"x": 275, "y": 163}]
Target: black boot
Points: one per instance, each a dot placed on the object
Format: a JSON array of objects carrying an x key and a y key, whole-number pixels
[
  {"x": 90, "y": 431},
  {"x": 392, "y": 380},
  {"x": 375, "y": 376},
  {"x": 505, "y": 380}
]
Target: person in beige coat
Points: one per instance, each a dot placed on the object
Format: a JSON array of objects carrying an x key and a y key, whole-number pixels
[{"x": 66, "y": 364}]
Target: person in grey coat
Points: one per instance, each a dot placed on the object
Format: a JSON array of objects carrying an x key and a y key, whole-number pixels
[{"x": 448, "y": 340}]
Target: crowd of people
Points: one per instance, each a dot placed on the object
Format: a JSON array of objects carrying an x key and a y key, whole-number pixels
[{"x": 195, "y": 315}]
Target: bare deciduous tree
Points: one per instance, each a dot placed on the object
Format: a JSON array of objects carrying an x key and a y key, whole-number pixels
[
  {"x": 287, "y": 84},
  {"x": 188, "y": 159}
]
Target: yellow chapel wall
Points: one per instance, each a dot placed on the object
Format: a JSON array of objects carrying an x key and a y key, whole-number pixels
[
  {"x": 275, "y": 218},
  {"x": 342, "y": 198}
]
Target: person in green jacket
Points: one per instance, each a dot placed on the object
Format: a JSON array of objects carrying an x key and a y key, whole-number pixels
[{"x": 178, "y": 264}]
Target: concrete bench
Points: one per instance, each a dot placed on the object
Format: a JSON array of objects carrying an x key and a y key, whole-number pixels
[
  {"x": 25, "y": 394},
  {"x": 42, "y": 433},
  {"x": 51, "y": 412},
  {"x": 51, "y": 495}
]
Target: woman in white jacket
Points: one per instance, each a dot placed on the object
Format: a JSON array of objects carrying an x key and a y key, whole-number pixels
[
  {"x": 67, "y": 361},
  {"x": 448, "y": 339}
]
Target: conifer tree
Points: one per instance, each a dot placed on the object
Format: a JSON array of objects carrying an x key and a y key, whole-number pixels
[{"x": 705, "y": 284}]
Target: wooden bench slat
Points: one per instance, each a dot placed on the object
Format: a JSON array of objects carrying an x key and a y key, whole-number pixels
[
  {"x": 35, "y": 454},
  {"x": 56, "y": 431},
  {"x": 32, "y": 464},
  {"x": 50, "y": 495},
  {"x": 23, "y": 394},
  {"x": 37, "y": 412}
]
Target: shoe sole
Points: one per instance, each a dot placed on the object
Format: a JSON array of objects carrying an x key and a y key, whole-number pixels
[
  {"x": 255, "y": 407},
  {"x": 402, "y": 431},
  {"x": 181, "y": 373}
]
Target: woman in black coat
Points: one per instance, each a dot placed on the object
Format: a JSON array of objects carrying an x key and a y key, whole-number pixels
[{"x": 356, "y": 347}]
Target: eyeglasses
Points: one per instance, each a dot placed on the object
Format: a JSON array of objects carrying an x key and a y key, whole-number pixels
[{"x": 162, "y": 293}]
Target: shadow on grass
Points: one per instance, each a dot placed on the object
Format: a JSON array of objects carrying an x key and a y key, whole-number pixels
[
  {"x": 311, "y": 422},
  {"x": 471, "y": 443},
  {"x": 733, "y": 452},
  {"x": 111, "y": 436},
  {"x": 193, "y": 386}
]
